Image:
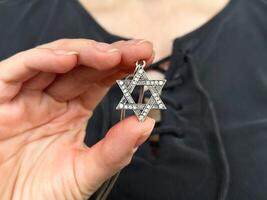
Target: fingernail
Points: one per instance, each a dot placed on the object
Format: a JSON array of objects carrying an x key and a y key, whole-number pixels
[
  {"x": 137, "y": 41},
  {"x": 72, "y": 53},
  {"x": 142, "y": 41},
  {"x": 153, "y": 53},
  {"x": 104, "y": 47},
  {"x": 135, "y": 149},
  {"x": 143, "y": 137},
  {"x": 65, "y": 53},
  {"x": 131, "y": 41},
  {"x": 113, "y": 50}
]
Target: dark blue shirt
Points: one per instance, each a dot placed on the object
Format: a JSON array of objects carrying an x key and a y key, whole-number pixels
[{"x": 213, "y": 141}]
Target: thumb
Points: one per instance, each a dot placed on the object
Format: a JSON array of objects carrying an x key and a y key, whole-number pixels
[{"x": 95, "y": 165}]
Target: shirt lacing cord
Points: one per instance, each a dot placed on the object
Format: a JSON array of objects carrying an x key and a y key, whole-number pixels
[
  {"x": 220, "y": 160},
  {"x": 223, "y": 172},
  {"x": 163, "y": 130},
  {"x": 171, "y": 129}
]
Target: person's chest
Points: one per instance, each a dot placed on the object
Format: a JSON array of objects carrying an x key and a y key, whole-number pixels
[{"x": 158, "y": 21}]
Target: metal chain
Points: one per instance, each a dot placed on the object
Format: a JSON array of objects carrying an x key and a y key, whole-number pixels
[{"x": 106, "y": 188}]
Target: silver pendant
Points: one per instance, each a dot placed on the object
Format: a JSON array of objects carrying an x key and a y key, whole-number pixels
[{"x": 139, "y": 77}]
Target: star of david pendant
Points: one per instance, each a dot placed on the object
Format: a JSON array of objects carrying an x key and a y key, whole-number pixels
[{"x": 139, "y": 77}]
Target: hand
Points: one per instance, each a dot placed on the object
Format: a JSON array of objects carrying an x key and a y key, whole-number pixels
[{"x": 47, "y": 95}]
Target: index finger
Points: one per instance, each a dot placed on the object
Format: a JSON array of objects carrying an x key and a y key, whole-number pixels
[
  {"x": 25, "y": 65},
  {"x": 97, "y": 55}
]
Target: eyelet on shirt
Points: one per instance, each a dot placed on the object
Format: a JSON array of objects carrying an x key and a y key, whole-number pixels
[
  {"x": 179, "y": 107},
  {"x": 185, "y": 58},
  {"x": 177, "y": 81},
  {"x": 178, "y": 78},
  {"x": 180, "y": 134},
  {"x": 170, "y": 130}
]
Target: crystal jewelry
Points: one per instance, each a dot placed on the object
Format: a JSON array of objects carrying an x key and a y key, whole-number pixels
[{"x": 139, "y": 77}]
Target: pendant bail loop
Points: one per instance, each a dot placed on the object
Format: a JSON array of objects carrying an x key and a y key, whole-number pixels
[{"x": 140, "y": 64}]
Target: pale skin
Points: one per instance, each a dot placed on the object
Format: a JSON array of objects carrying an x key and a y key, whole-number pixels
[
  {"x": 159, "y": 21},
  {"x": 47, "y": 95}
]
